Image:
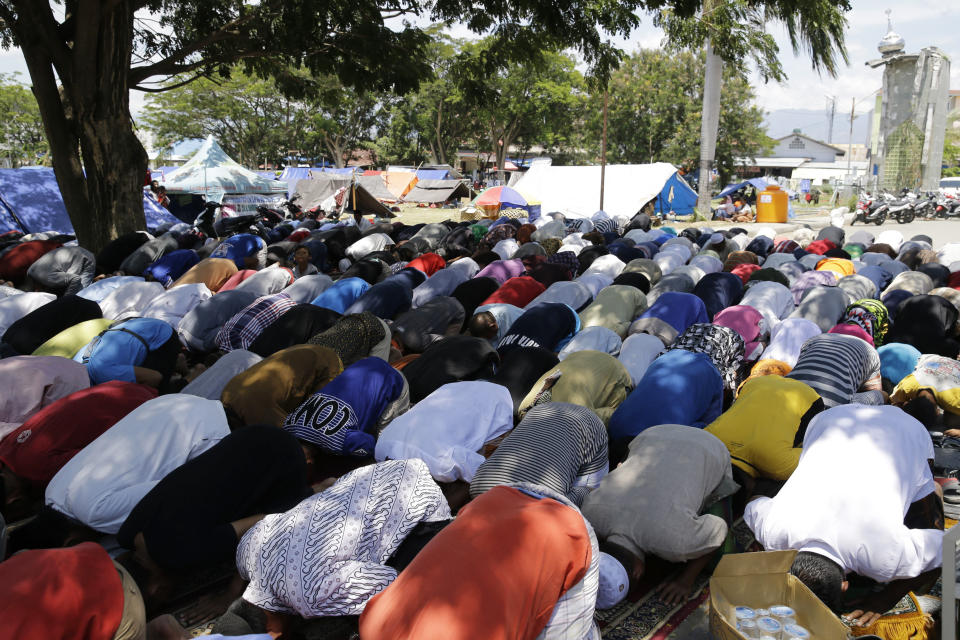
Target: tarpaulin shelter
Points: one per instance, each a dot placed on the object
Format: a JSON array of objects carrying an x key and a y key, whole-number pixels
[
  {"x": 759, "y": 183},
  {"x": 212, "y": 171},
  {"x": 158, "y": 173},
  {"x": 492, "y": 200},
  {"x": 575, "y": 191},
  {"x": 429, "y": 171},
  {"x": 293, "y": 175},
  {"x": 321, "y": 187},
  {"x": 377, "y": 187},
  {"x": 437, "y": 191},
  {"x": 30, "y": 202},
  {"x": 399, "y": 183},
  {"x": 434, "y": 174}
]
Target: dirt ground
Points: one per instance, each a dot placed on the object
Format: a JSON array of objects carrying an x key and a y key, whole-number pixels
[{"x": 412, "y": 214}]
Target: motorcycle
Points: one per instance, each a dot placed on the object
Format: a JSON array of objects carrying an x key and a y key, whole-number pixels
[
  {"x": 926, "y": 207},
  {"x": 902, "y": 209},
  {"x": 870, "y": 210},
  {"x": 207, "y": 218},
  {"x": 947, "y": 208}
]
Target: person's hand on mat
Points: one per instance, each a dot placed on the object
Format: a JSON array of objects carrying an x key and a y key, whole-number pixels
[
  {"x": 955, "y": 433},
  {"x": 675, "y": 591},
  {"x": 861, "y": 618}
]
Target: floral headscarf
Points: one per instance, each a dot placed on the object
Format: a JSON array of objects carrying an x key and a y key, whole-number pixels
[
  {"x": 724, "y": 346},
  {"x": 871, "y": 316}
]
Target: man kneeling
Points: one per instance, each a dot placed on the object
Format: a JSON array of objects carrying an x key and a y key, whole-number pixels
[
  {"x": 654, "y": 502},
  {"x": 843, "y": 508}
]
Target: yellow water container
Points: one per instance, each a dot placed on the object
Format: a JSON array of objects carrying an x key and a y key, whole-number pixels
[{"x": 772, "y": 204}]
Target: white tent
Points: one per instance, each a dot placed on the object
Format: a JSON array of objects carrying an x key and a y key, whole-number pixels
[
  {"x": 575, "y": 191},
  {"x": 212, "y": 172}
]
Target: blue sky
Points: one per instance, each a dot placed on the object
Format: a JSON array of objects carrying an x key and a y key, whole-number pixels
[{"x": 921, "y": 23}]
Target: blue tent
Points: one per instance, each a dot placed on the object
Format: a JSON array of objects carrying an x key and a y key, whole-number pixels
[
  {"x": 293, "y": 175},
  {"x": 433, "y": 174},
  {"x": 759, "y": 183},
  {"x": 677, "y": 196},
  {"x": 160, "y": 172},
  {"x": 30, "y": 201}
]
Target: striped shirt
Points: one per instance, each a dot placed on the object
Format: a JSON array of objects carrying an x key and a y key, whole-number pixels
[
  {"x": 557, "y": 445},
  {"x": 836, "y": 366},
  {"x": 241, "y": 330}
]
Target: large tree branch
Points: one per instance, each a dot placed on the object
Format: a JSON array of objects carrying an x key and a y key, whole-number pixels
[
  {"x": 168, "y": 65},
  {"x": 169, "y": 87},
  {"x": 35, "y": 26}
]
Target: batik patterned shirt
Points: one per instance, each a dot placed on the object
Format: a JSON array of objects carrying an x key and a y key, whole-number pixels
[{"x": 327, "y": 555}]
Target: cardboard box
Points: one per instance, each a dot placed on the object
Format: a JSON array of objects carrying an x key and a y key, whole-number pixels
[{"x": 761, "y": 580}]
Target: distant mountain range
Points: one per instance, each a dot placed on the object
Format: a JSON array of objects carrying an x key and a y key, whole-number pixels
[{"x": 814, "y": 123}]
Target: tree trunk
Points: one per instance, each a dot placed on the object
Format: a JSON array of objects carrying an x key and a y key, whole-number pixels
[
  {"x": 713, "y": 77},
  {"x": 97, "y": 158},
  {"x": 439, "y": 157}
]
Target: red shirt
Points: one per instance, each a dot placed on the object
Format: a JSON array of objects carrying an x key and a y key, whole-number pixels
[
  {"x": 16, "y": 261},
  {"x": 519, "y": 292},
  {"x": 49, "y": 438},
  {"x": 60, "y": 594},
  {"x": 428, "y": 263},
  {"x": 496, "y": 572},
  {"x": 820, "y": 247},
  {"x": 235, "y": 280},
  {"x": 744, "y": 271},
  {"x": 954, "y": 281}
]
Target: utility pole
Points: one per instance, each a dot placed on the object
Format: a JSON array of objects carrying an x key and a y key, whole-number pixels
[
  {"x": 853, "y": 106},
  {"x": 831, "y": 113},
  {"x": 603, "y": 149}
]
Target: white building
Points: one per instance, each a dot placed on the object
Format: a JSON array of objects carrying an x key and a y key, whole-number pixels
[
  {"x": 800, "y": 157},
  {"x": 798, "y": 145}
]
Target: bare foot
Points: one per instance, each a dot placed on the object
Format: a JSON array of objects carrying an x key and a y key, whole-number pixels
[{"x": 166, "y": 627}]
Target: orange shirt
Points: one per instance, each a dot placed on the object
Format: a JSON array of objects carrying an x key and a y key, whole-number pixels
[
  {"x": 496, "y": 573},
  {"x": 213, "y": 272}
]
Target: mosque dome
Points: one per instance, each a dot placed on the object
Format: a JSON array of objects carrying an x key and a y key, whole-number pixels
[{"x": 892, "y": 42}]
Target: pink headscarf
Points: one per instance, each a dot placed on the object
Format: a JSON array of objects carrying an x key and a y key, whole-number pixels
[
  {"x": 749, "y": 323},
  {"x": 853, "y": 330}
]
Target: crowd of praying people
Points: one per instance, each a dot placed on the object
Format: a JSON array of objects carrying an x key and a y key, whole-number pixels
[{"x": 463, "y": 429}]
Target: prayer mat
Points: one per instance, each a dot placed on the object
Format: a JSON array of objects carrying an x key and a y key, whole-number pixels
[
  {"x": 643, "y": 616},
  {"x": 191, "y": 591},
  {"x": 905, "y": 621}
]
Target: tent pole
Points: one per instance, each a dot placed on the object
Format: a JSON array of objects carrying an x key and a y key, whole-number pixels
[{"x": 603, "y": 149}]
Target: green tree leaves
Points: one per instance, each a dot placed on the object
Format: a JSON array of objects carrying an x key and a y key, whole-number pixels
[
  {"x": 22, "y": 140},
  {"x": 654, "y": 112},
  {"x": 255, "y": 122}
]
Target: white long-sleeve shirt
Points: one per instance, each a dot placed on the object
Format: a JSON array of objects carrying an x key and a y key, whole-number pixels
[
  {"x": 860, "y": 470},
  {"x": 102, "y": 484}
]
